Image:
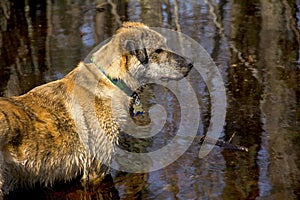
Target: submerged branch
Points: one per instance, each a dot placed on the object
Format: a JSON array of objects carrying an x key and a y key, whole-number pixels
[{"x": 221, "y": 143}]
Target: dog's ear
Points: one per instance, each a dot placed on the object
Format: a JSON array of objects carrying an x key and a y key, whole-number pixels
[{"x": 137, "y": 50}]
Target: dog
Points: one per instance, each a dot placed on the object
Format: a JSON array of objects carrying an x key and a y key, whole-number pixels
[{"x": 69, "y": 128}]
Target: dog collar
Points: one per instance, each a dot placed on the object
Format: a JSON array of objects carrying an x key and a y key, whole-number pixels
[{"x": 137, "y": 107}]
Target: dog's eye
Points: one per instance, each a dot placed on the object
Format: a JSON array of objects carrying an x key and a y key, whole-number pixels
[{"x": 158, "y": 50}]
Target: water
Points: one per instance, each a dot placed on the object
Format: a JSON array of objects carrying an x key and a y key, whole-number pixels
[{"x": 255, "y": 45}]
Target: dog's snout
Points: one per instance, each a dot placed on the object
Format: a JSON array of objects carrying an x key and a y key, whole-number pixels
[{"x": 190, "y": 65}]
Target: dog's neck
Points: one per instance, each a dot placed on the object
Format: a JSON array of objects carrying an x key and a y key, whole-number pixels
[{"x": 137, "y": 107}]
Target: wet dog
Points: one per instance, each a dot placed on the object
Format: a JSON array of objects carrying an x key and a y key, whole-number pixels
[{"x": 69, "y": 128}]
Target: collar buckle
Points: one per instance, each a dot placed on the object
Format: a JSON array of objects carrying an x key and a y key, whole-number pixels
[{"x": 137, "y": 105}]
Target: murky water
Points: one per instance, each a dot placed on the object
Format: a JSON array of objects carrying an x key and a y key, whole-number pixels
[{"x": 255, "y": 45}]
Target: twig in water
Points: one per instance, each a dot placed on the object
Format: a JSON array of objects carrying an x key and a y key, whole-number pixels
[
  {"x": 222, "y": 144},
  {"x": 230, "y": 139}
]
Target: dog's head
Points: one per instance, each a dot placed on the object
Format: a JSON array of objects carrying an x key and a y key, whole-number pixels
[{"x": 141, "y": 53}]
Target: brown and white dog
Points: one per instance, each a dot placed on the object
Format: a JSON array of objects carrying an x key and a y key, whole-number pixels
[{"x": 43, "y": 139}]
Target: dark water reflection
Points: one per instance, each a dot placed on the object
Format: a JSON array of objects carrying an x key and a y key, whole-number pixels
[{"x": 255, "y": 44}]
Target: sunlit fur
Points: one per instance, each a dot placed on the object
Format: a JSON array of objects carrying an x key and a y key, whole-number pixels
[{"x": 43, "y": 133}]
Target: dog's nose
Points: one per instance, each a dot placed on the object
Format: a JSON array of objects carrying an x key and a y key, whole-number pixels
[{"x": 190, "y": 65}]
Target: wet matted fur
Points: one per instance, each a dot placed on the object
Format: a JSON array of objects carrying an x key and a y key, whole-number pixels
[{"x": 40, "y": 138}]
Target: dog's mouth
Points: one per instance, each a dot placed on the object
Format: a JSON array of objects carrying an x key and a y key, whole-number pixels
[{"x": 166, "y": 79}]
